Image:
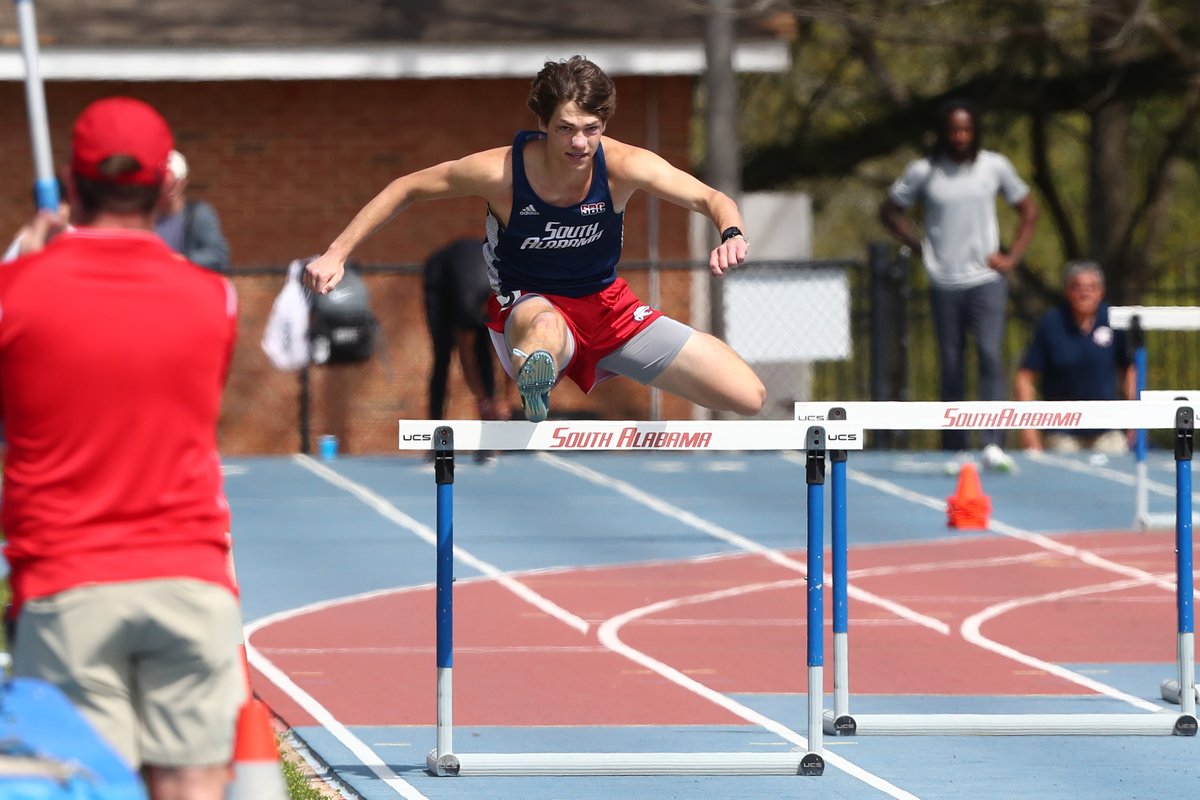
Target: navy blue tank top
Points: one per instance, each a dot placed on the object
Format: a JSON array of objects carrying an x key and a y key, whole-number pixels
[{"x": 571, "y": 251}]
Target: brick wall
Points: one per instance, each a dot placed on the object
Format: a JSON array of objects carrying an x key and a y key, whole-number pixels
[{"x": 287, "y": 164}]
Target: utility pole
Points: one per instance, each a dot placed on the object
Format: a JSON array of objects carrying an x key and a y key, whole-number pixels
[{"x": 721, "y": 127}]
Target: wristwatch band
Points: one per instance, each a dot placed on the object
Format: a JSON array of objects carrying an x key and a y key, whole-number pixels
[{"x": 731, "y": 232}]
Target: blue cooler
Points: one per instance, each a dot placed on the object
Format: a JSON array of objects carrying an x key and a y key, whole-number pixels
[{"x": 48, "y": 751}]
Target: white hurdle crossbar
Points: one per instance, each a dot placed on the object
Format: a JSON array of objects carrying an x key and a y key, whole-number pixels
[
  {"x": 1136, "y": 320},
  {"x": 567, "y": 435},
  {"x": 445, "y": 437},
  {"x": 991, "y": 415},
  {"x": 1143, "y": 518}
]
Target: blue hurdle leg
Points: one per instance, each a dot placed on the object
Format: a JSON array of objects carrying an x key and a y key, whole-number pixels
[
  {"x": 442, "y": 760},
  {"x": 1184, "y": 590},
  {"x": 813, "y": 763}
]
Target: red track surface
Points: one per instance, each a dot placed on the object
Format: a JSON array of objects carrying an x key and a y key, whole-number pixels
[{"x": 371, "y": 662}]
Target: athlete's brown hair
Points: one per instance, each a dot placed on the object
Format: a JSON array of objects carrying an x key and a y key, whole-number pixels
[{"x": 575, "y": 79}]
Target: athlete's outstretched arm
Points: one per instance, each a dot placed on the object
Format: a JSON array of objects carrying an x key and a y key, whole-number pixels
[
  {"x": 642, "y": 169},
  {"x": 470, "y": 175}
]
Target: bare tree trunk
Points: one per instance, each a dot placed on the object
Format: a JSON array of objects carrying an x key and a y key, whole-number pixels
[{"x": 1109, "y": 186}]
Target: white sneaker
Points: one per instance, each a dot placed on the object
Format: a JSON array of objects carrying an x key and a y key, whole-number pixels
[
  {"x": 997, "y": 460},
  {"x": 955, "y": 464}
]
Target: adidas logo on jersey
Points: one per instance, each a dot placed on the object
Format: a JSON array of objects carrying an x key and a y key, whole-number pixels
[{"x": 529, "y": 211}]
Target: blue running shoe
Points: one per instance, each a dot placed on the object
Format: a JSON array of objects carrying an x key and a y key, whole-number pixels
[{"x": 535, "y": 379}]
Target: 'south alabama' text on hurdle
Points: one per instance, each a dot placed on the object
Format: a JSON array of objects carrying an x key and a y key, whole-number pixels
[
  {"x": 1011, "y": 418},
  {"x": 630, "y": 437}
]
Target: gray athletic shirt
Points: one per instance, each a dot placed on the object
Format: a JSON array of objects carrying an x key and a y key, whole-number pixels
[{"x": 961, "y": 229}]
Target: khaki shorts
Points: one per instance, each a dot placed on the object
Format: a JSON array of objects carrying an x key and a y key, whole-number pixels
[{"x": 155, "y": 666}]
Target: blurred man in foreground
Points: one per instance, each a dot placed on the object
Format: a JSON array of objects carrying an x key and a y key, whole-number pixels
[{"x": 113, "y": 355}]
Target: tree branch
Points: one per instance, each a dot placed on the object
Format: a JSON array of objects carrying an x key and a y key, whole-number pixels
[
  {"x": 1158, "y": 182},
  {"x": 1043, "y": 178},
  {"x": 838, "y": 152}
]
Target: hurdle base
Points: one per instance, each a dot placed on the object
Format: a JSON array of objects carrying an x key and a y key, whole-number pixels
[
  {"x": 1148, "y": 724},
  {"x": 1154, "y": 522},
  {"x": 640, "y": 764},
  {"x": 1170, "y": 691},
  {"x": 844, "y": 725},
  {"x": 441, "y": 766}
]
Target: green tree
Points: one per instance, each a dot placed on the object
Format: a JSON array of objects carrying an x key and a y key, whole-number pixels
[{"x": 1095, "y": 100}]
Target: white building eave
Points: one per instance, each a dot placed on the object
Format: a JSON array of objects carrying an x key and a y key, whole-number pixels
[{"x": 357, "y": 62}]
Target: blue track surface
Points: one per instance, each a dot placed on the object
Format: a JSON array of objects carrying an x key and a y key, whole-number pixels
[{"x": 301, "y": 539}]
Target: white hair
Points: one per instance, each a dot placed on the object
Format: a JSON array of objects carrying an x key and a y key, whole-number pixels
[
  {"x": 1081, "y": 267},
  {"x": 177, "y": 165}
]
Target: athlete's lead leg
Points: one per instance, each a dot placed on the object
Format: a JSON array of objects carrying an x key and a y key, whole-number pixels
[
  {"x": 538, "y": 341},
  {"x": 709, "y": 373}
]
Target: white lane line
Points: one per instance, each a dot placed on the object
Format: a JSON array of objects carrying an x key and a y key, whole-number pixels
[
  {"x": 390, "y": 512},
  {"x": 426, "y": 650},
  {"x": 735, "y": 539},
  {"x": 971, "y": 632},
  {"x": 366, "y": 756},
  {"x": 1107, "y": 473},
  {"x": 938, "y": 566},
  {"x": 1012, "y": 531},
  {"x": 1137, "y": 577},
  {"x": 609, "y": 634}
]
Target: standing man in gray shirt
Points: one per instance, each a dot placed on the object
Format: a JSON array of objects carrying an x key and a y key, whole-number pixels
[
  {"x": 956, "y": 185},
  {"x": 190, "y": 227}
]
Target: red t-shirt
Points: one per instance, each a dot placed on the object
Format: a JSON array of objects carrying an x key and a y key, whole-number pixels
[{"x": 113, "y": 354}]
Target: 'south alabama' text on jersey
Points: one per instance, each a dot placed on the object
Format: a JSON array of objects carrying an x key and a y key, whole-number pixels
[
  {"x": 565, "y": 250},
  {"x": 559, "y": 236}
]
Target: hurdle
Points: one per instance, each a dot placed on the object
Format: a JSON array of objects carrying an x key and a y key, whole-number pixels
[
  {"x": 1143, "y": 518},
  {"x": 563, "y": 436},
  {"x": 992, "y": 415},
  {"x": 1137, "y": 320}
]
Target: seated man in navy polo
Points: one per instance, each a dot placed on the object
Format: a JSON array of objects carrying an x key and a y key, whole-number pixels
[{"x": 1077, "y": 356}]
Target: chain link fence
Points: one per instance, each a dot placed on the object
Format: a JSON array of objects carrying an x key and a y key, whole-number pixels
[{"x": 816, "y": 330}]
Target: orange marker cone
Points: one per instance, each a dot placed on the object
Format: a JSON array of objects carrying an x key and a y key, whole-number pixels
[
  {"x": 968, "y": 508},
  {"x": 256, "y": 771},
  {"x": 257, "y": 774}
]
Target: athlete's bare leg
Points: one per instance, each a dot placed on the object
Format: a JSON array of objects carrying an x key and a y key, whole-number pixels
[
  {"x": 187, "y": 783},
  {"x": 709, "y": 373},
  {"x": 538, "y": 340},
  {"x": 536, "y": 325}
]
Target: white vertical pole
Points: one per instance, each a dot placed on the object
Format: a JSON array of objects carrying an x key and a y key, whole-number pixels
[
  {"x": 445, "y": 711},
  {"x": 652, "y": 224},
  {"x": 1141, "y": 493},
  {"x": 46, "y": 187},
  {"x": 841, "y": 674},
  {"x": 1187, "y": 673},
  {"x": 816, "y": 694}
]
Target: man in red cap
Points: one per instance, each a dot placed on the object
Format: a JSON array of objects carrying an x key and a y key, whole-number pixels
[{"x": 113, "y": 355}]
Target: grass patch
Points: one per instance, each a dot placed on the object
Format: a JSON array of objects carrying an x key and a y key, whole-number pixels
[{"x": 300, "y": 786}]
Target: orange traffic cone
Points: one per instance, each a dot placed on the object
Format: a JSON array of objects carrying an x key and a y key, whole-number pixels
[
  {"x": 968, "y": 508},
  {"x": 256, "y": 771},
  {"x": 257, "y": 774}
]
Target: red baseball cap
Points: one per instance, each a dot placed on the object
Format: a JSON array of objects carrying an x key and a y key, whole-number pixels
[{"x": 121, "y": 126}]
